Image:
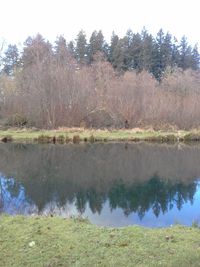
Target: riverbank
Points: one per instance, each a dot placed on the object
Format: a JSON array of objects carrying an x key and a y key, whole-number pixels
[
  {"x": 54, "y": 241},
  {"x": 76, "y": 135}
]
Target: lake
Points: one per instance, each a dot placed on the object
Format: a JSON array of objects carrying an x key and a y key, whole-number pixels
[{"x": 153, "y": 185}]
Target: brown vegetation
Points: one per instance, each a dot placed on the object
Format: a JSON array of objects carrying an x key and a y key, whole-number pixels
[{"x": 48, "y": 94}]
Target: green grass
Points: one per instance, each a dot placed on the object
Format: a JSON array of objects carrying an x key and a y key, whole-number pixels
[
  {"x": 96, "y": 135},
  {"x": 54, "y": 241}
]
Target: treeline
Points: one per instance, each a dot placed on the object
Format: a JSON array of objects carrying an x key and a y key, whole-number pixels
[
  {"x": 134, "y": 51},
  {"x": 136, "y": 79},
  {"x": 138, "y": 51}
]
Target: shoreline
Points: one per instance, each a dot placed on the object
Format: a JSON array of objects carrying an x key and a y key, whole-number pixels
[{"x": 77, "y": 135}]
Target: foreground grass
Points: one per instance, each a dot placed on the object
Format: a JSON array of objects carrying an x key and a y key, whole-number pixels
[
  {"x": 100, "y": 135},
  {"x": 53, "y": 241}
]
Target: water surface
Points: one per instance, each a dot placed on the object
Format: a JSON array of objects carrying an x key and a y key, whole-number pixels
[{"x": 110, "y": 184}]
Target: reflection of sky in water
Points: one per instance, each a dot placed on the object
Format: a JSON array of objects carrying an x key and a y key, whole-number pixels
[
  {"x": 188, "y": 214},
  {"x": 14, "y": 204},
  {"x": 19, "y": 204}
]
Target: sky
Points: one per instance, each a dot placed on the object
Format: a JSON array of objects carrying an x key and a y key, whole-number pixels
[{"x": 22, "y": 18}]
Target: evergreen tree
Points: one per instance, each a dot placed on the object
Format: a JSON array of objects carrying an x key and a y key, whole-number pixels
[
  {"x": 167, "y": 51},
  {"x": 135, "y": 53},
  {"x": 185, "y": 54},
  {"x": 147, "y": 50},
  {"x": 81, "y": 49},
  {"x": 11, "y": 60},
  {"x": 175, "y": 53},
  {"x": 96, "y": 44},
  {"x": 119, "y": 55},
  {"x": 113, "y": 44},
  {"x": 71, "y": 48},
  {"x": 195, "y": 58},
  {"x": 159, "y": 55},
  {"x": 128, "y": 52}
]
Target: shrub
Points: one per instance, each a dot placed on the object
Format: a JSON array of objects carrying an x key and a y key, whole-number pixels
[
  {"x": 17, "y": 120},
  {"x": 192, "y": 137},
  {"x": 92, "y": 139},
  {"x": 61, "y": 139},
  {"x": 67, "y": 139},
  {"x": 44, "y": 139},
  {"x": 76, "y": 139},
  {"x": 7, "y": 138}
]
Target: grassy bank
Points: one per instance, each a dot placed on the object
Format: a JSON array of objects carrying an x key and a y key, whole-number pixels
[
  {"x": 53, "y": 241},
  {"x": 77, "y": 135}
]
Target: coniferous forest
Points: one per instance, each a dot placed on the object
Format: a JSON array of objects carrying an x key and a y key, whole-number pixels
[{"x": 142, "y": 79}]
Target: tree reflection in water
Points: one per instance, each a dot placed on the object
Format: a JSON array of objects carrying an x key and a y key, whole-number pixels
[
  {"x": 136, "y": 178},
  {"x": 155, "y": 194}
]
